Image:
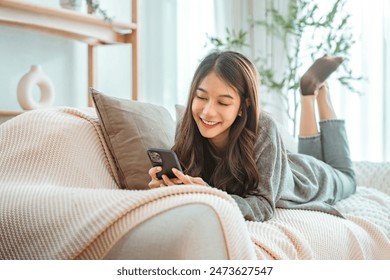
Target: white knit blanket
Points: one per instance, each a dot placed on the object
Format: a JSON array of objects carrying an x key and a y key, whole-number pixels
[{"x": 59, "y": 200}]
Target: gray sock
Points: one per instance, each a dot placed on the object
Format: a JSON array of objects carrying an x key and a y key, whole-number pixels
[{"x": 318, "y": 72}]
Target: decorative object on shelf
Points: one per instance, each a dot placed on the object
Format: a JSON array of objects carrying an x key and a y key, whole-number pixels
[
  {"x": 35, "y": 77},
  {"x": 94, "y": 8},
  {"x": 66, "y": 24},
  {"x": 74, "y": 5}
]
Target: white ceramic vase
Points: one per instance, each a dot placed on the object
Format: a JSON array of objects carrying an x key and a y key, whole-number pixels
[{"x": 35, "y": 77}]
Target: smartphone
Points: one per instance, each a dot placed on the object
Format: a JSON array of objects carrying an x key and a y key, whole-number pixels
[{"x": 165, "y": 158}]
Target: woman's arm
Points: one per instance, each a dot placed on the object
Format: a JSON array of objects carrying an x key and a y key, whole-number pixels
[{"x": 254, "y": 208}]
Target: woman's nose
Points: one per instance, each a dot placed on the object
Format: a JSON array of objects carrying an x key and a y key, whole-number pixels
[{"x": 209, "y": 109}]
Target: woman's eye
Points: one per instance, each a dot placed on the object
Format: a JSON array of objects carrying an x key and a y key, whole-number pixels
[
  {"x": 223, "y": 104},
  {"x": 201, "y": 98}
]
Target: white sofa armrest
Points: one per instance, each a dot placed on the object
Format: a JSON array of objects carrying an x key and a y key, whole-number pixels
[{"x": 191, "y": 231}]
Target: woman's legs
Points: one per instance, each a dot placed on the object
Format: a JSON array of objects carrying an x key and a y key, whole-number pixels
[
  {"x": 314, "y": 90},
  {"x": 335, "y": 152},
  {"x": 309, "y": 138},
  {"x": 334, "y": 140},
  {"x": 330, "y": 144},
  {"x": 324, "y": 103},
  {"x": 308, "y": 125}
]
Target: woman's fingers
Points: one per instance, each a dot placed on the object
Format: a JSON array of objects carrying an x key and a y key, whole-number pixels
[
  {"x": 186, "y": 179},
  {"x": 176, "y": 181},
  {"x": 199, "y": 181},
  {"x": 168, "y": 181},
  {"x": 155, "y": 184},
  {"x": 153, "y": 172},
  {"x": 183, "y": 178}
]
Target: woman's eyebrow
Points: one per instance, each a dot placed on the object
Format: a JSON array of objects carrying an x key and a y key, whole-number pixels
[
  {"x": 226, "y": 95},
  {"x": 221, "y": 96},
  {"x": 202, "y": 89}
]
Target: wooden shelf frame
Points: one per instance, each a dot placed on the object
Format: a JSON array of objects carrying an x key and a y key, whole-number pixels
[{"x": 86, "y": 28}]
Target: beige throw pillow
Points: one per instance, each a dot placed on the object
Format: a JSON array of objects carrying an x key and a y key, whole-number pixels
[{"x": 130, "y": 128}]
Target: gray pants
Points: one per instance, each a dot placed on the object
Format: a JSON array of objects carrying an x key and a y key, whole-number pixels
[{"x": 331, "y": 146}]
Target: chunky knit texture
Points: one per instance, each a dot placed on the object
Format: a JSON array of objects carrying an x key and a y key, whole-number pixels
[{"x": 59, "y": 199}]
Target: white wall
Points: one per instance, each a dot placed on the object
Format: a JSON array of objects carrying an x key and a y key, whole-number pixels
[
  {"x": 64, "y": 61},
  {"x": 19, "y": 49},
  {"x": 157, "y": 49}
]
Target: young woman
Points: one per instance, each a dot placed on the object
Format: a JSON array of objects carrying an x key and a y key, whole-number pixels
[{"x": 227, "y": 142}]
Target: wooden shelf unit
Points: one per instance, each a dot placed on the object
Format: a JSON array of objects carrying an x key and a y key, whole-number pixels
[
  {"x": 86, "y": 28},
  {"x": 7, "y": 115}
]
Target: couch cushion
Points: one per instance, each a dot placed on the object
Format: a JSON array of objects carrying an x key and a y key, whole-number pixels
[{"x": 130, "y": 128}]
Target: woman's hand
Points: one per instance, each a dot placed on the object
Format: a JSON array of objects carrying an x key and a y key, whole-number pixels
[
  {"x": 156, "y": 183},
  {"x": 180, "y": 179},
  {"x": 186, "y": 179}
]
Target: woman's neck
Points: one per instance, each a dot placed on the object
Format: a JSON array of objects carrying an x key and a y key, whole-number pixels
[{"x": 218, "y": 150}]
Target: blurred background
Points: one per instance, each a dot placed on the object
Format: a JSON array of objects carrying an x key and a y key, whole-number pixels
[{"x": 280, "y": 36}]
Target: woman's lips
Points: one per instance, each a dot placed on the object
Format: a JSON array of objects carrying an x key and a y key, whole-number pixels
[{"x": 208, "y": 124}]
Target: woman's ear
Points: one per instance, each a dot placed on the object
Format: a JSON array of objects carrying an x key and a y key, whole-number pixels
[{"x": 247, "y": 104}]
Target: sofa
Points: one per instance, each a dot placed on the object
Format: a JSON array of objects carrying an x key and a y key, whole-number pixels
[{"x": 73, "y": 185}]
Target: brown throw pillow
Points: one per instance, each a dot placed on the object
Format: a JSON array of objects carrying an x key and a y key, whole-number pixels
[{"x": 130, "y": 128}]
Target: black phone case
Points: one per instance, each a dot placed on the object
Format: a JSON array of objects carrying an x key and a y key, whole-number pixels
[{"x": 167, "y": 160}]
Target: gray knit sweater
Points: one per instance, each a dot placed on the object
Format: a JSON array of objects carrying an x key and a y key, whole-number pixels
[{"x": 287, "y": 180}]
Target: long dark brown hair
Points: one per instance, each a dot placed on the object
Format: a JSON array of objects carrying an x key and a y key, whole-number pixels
[{"x": 235, "y": 171}]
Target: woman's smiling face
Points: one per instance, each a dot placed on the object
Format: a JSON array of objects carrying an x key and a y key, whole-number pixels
[{"x": 215, "y": 107}]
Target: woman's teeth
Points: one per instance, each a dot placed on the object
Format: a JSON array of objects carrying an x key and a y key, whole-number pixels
[{"x": 209, "y": 123}]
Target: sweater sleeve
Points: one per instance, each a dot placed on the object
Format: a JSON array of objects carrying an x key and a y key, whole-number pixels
[{"x": 274, "y": 171}]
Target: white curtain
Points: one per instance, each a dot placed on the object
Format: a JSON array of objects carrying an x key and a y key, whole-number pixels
[
  {"x": 173, "y": 37},
  {"x": 236, "y": 15},
  {"x": 173, "y": 41},
  {"x": 368, "y": 116},
  {"x": 157, "y": 51}
]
